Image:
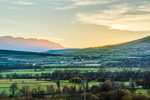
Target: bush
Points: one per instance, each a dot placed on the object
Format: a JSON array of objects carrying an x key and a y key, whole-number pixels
[
  {"x": 75, "y": 79},
  {"x": 140, "y": 97}
]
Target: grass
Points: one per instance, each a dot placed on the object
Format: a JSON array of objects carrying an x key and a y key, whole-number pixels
[
  {"x": 111, "y": 61},
  {"x": 117, "y": 57},
  {"x": 143, "y": 91},
  {"x": 39, "y": 71},
  {"x": 90, "y": 51},
  {"x": 57, "y": 65},
  {"x": 50, "y": 70},
  {"x": 87, "y": 62},
  {"x": 60, "y": 58},
  {"x": 142, "y": 55},
  {"x": 33, "y": 84}
]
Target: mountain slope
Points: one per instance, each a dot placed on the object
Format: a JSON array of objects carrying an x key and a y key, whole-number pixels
[
  {"x": 137, "y": 46},
  {"x": 139, "y": 43},
  {"x": 30, "y": 44}
]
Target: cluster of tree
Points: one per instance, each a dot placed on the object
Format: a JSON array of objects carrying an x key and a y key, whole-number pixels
[
  {"x": 105, "y": 91},
  {"x": 75, "y": 79},
  {"x": 140, "y": 78}
]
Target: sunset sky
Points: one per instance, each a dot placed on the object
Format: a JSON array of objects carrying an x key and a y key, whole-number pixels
[{"x": 76, "y": 23}]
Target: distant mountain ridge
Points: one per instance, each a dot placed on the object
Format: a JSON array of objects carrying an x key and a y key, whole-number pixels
[{"x": 30, "y": 44}]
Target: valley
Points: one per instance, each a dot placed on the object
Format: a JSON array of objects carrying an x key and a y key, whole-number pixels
[{"x": 50, "y": 73}]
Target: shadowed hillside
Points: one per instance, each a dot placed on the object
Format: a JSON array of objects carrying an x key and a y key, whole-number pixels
[{"x": 137, "y": 46}]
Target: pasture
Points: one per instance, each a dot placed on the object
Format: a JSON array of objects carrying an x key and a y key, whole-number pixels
[
  {"x": 33, "y": 84},
  {"x": 42, "y": 85},
  {"x": 50, "y": 70}
]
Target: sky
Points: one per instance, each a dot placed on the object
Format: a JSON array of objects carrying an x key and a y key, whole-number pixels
[{"x": 76, "y": 23}]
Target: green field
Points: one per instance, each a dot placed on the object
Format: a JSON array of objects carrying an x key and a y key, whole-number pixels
[
  {"x": 50, "y": 70},
  {"x": 111, "y": 61},
  {"x": 33, "y": 84}
]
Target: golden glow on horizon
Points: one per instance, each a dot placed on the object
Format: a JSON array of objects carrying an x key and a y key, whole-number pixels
[{"x": 76, "y": 23}]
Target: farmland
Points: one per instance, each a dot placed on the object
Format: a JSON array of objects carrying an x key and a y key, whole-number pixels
[{"x": 47, "y": 75}]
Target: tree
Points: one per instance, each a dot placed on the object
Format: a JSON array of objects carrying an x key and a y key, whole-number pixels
[
  {"x": 17, "y": 97},
  {"x": 66, "y": 89},
  {"x": 10, "y": 78},
  {"x": 101, "y": 70},
  {"x": 119, "y": 94},
  {"x": 42, "y": 68},
  {"x": 50, "y": 89},
  {"x": 131, "y": 83},
  {"x": 94, "y": 97},
  {"x": 94, "y": 89},
  {"x": 13, "y": 88},
  {"x": 35, "y": 69},
  {"x": 24, "y": 89},
  {"x": 65, "y": 77},
  {"x": 72, "y": 91},
  {"x": 106, "y": 86},
  {"x": 57, "y": 81},
  {"x": 75, "y": 79},
  {"x": 139, "y": 97},
  {"x": 37, "y": 76},
  {"x": 3, "y": 96}
]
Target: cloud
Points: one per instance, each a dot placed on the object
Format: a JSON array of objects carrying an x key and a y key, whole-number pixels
[
  {"x": 145, "y": 7},
  {"x": 118, "y": 17},
  {"x": 3, "y": 0},
  {"x": 13, "y": 8},
  {"x": 56, "y": 3},
  {"x": 55, "y": 39},
  {"x": 24, "y": 3},
  {"x": 51, "y": 38},
  {"x": 91, "y": 2},
  {"x": 64, "y": 8},
  {"x": 16, "y": 22},
  {"x": 76, "y": 3}
]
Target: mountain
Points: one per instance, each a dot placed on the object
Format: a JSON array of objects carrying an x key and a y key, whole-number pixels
[{"x": 30, "y": 44}]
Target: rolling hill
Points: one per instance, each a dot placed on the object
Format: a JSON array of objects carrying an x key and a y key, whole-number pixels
[{"x": 137, "y": 46}]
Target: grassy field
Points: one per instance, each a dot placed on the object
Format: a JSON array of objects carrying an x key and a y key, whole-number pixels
[
  {"x": 39, "y": 71},
  {"x": 33, "y": 84},
  {"x": 111, "y": 61},
  {"x": 50, "y": 70},
  {"x": 143, "y": 91}
]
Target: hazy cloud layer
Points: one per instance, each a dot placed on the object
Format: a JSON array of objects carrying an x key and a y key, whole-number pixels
[
  {"x": 77, "y": 3},
  {"x": 3, "y": 0},
  {"x": 16, "y": 22},
  {"x": 16, "y": 4},
  {"x": 24, "y": 2},
  {"x": 13, "y": 8},
  {"x": 120, "y": 16}
]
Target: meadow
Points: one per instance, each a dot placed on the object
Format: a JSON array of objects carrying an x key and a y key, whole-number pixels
[
  {"x": 33, "y": 84},
  {"x": 51, "y": 70}
]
